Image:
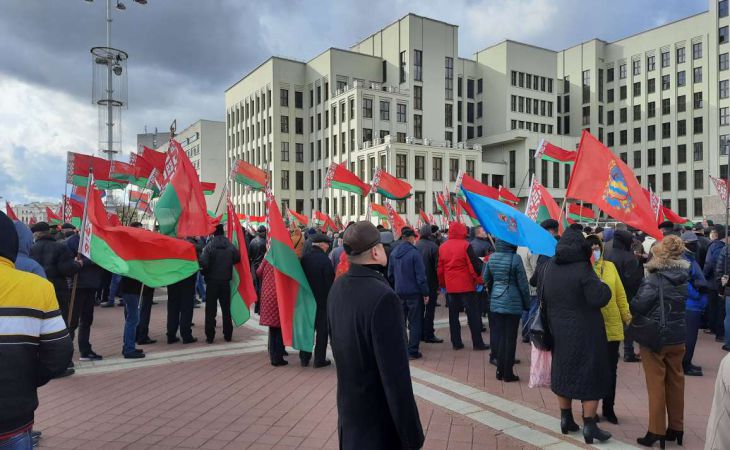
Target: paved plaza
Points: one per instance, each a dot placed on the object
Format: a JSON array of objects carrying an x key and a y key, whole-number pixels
[{"x": 227, "y": 395}]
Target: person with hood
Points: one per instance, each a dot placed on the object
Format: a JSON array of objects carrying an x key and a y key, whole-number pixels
[
  {"x": 661, "y": 300},
  {"x": 458, "y": 272},
  {"x": 34, "y": 350},
  {"x": 631, "y": 272},
  {"x": 573, "y": 296},
  {"x": 320, "y": 275},
  {"x": 216, "y": 262},
  {"x": 695, "y": 305},
  {"x": 23, "y": 261},
  {"x": 505, "y": 277},
  {"x": 408, "y": 275},
  {"x": 616, "y": 316},
  {"x": 715, "y": 302},
  {"x": 429, "y": 249}
]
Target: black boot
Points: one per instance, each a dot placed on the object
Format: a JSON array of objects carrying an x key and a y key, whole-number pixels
[
  {"x": 591, "y": 431},
  {"x": 567, "y": 423},
  {"x": 650, "y": 439},
  {"x": 674, "y": 435},
  {"x": 609, "y": 414}
]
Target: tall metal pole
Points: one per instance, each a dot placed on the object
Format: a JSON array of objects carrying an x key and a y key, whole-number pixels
[{"x": 109, "y": 89}]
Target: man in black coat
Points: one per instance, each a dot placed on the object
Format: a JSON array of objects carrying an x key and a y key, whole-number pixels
[
  {"x": 375, "y": 403},
  {"x": 217, "y": 262},
  {"x": 703, "y": 244},
  {"x": 57, "y": 261},
  {"x": 430, "y": 252},
  {"x": 320, "y": 275}
]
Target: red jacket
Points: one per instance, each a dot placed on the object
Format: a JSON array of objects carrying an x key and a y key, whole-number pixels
[{"x": 455, "y": 270}]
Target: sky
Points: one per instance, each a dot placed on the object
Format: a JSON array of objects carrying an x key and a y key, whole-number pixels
[{"x": 183, "y": 55}]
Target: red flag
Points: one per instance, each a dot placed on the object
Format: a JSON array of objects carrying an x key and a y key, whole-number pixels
[
  {"x": 672, "y": 216},
  {"x": 154, "y": 158},
  {"x": 550, "y": 152},
  {"x": 10, "y": 212},
  {"x": 601, "y": 178},
  {"x": 243, "y": 294},
  {"x": 52, "y": 218},
  {"x": 32, "y": 220},
  {"x": 505, "y": 196},
  {"x": 324, "y": 221},
  {"x": 424, "y": 217},
  {"x": 721, "y": 185},
  {"x": 301, "y": 218},
  {"x": 390, "y": 187},
  {"x": 441, "y": 202},
  {"x": 395, "y": 219},
  {"x": 338, "y": 177},
  {"x": 114, "y": 220},
  {"x": 470, "y": 184}
]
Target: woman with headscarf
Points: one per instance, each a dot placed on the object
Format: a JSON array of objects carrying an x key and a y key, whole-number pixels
[
  {"x": 661, "y": 301},
  {"x": 573, "y": 296},
  {"x": 616, "y": 315}
]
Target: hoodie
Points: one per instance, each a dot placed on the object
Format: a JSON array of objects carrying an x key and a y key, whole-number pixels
[
  {"x": 407, "y": 272},
  {"x": 25, "y": 241},
  {"x": 458, "y": 266}
]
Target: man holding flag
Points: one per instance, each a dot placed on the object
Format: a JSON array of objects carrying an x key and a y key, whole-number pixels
[{"x": 217, "y": 262}]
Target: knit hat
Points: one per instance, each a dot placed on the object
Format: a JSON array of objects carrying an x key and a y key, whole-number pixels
[{"x": 9, "y": 240}]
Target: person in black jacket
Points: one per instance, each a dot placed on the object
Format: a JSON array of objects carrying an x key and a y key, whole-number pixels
[
  {"x": 715, "y": 302},
  {"x": 631, "y": 272},
  {"x": 217, "y": 262},
  {"x": 88, "y": 282},
  {"x": 573, "y": 296},
  {"x": 375, "y": 404},
  {"x": 703, "y": 244},
  {"x": 667, "y": 283},
  {"x": 430, "y": 252},
  {"x": 320, "y": 275},
  {"x": 57, "y": 261}
]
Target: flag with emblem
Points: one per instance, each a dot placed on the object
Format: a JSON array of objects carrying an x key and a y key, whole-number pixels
[
  {"x": 549, "y": 152},
  {"x": 465, "y": 182},
  {"x": 243, "y": 294},
  {"x": 338, "y": 177},
  {"x": 540, "y": 204},
  {"x": 505, "y": 196},
  {"x": 249, "y": 175},
  {"x": 301, "y": 219},
  {"x": 389, "y": 186}
]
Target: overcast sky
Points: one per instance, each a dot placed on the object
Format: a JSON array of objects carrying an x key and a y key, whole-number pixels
[{"x": 185, "y": 53}]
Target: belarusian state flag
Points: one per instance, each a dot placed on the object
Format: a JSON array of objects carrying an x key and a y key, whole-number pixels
[
  {"x": 73, "y": 211},
  {"x": 257, "y": 221},
  {"x": 243, "y": 294},
  {"x": 123, "y": 171},
  {"x": 578, "y": 213},
  {"x": 540, "y": 204},
  {"x": 323, "y": 220},
  {"x": 301, "y": 219},
  {"x": 52, "y": 218},
  {"x": 338, "y": 177},
  {"x": 549, "y": 152},
  {"x": 505, "y": 196},
  {"x": 151, "y": 258},
  {"x": 389, "y": 186},
  {"x": 467, "y": 209},
  {"x": 181, "y": 210},
  {"x": 395, "y": 219},
  {"x": 249, "y": 175},
  {"x": 668, "y": 214},
  {"x": 721, "y": 185},
  {"x": 467, "y": 183},
  {"x": 442, "y": 204},
  {"x": 602, "y": 179},
  {"x": 154, "y": 158},
  {"x": 79, "y": 167},
  {"x": 295, "y": 299},
  {"x": 141, "y": 200},
  {"x": 424, "y": 217},
  {"x": 9, "y": 211},
  {"x": 208, "y": 188},
  {"x": 379, "y": 211}
]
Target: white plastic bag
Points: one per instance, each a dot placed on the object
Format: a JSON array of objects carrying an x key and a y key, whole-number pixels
[{"x": 540, "y": 367}]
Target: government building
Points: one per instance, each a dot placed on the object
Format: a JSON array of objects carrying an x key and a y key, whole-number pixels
[{"x": 404, "y": 100}]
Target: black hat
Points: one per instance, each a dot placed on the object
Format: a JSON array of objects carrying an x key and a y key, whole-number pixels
[
  {"x": 407, "y": 232},
  {"x": 550, "y": 224},
  {"x": 261, "y": 229},
  {"x": 40, "y": 227},
  {"x": 666, "y": 224},
  {"x": 67, "y": 226},
  {"x": 218, "y": 230},
  {"x": 360, "y": 237},
  {"x": 136, "y": 224},
  {"x": 320, "y": 237},
  {"x": 698, "y": 227},
  {"x": 9, "y": 242},
  {"x": 434, "y": 228},
  {"x": 720, "y": 230}
]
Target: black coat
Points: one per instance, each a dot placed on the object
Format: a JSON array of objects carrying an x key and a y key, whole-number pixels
[
  {"x": 573, "y": 296},
  {"x": 703, "y": 244},
  {"x": 218, "y": 258},
  {"x": 375, "y": 404},
  {"x": 673, "y": 274},
  {"x": 56, "y": 259},
  {"x": 90, "y": 274},
  {"x": 430, "y": 252},
  {"x": 256, "y": 251},
  {"x": 630, "y": 270},
  {"x": 320, "y": 275}
]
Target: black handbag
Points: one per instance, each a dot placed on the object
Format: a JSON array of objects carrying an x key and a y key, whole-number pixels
[
  {"x": 647, "y": 332},
  {"x": 539, "y": 332}
]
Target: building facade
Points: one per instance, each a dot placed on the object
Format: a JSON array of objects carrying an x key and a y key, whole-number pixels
[
  {"x": 151, "y": 140},
  {"x": 34, "y": 210},
  {"x": 403, "y": 99}
]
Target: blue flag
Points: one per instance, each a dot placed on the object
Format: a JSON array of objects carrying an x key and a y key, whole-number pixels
[{"x": 510, "y": 225}]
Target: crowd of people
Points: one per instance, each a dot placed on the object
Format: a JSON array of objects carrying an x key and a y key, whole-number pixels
[{"x": 376, "y": 298}]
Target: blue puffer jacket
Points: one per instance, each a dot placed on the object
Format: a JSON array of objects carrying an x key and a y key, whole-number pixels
[
  {"x": 505, "y": 276},
  {"x": 25, "y": 242},
  {"x": 406, "y": 271},
  {"x": 697, "y": 286}
]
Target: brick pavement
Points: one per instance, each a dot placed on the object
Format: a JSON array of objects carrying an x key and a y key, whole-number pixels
[{"x": 228, "y": 396}]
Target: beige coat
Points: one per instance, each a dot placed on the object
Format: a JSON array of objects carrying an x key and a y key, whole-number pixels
[{"x": 718, "y": 426}]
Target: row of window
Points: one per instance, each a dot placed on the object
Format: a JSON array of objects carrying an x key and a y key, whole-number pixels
[
  {"x": 651, "y": 85},
  {"x": 532, "y": 126},
  {"x": 530, "y": 81},
  {"x": 531, "y": 106},
  {"x": 666, "y": 155},
  {"x": 681, "y": 130},
  {"x": 651, "y": 62}
]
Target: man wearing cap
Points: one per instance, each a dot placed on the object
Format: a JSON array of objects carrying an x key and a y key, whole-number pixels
[
  {"x": 429, "y": 249},
  {"x": 375, "y": 403},
  {"x": 320, "y": 275},
  {"x": 408, "y": 275},
  {"x": 216, "y": 263}
]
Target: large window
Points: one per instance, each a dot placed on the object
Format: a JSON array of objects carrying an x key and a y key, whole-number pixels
[
  {"x": 367, "y": 108},
  {"x": 636, "y": 66},
  {"x": 453, "y": 169},
  {"x": 666, "y": 156},
  {"x": 448, "y": 115},
  {"x": 299, "y": 180},
  {"x": 418, "y": 65},
  {"x": 284, "y": 97},
  {"x": 697, "y": 50},
  {"x": 681, "y": 153},
  {"x": 724, "y": 61},
  {"x": 697, "y": 75},
  {"x": 401, "y": 167},
  {"x": 449, "y": 78},
  {"x": 420, "y": 167},
  {"x": 697, "y": 100},
  {"x": 384, "y": 110},
  {"x": 437, "y": 169},
  {"x": 698, "y": 151},
  {"x": 665, "y": 58},
  {"x": 298, "y": 99},
  {"x": 680, "y": 55},
  {"x": 699, "y": 181},
  {"x": 420, "y": 200},
  {"x": 400, "y": 115},
  {"x": 724, "y": 89},
  {"x": 417, "y": 97},
  {"x": 299, "y": 155},
  {"x": 721, "y": 12},
  {"x": 284, "y": 124},
  {"x": 723, "y": 35},
  {"x": 403, "y": 67},
  {"x": 681, "y": 78},
  {"x": 512, "y": 168},
  {"x": 650, "y": 63},
  {"x": 285, "y": 179},
  {"x": 470, "y": 88},
  {"x": 418, "y": 126},
  {"x": 587, "y": 86},
  {"x": 285, "y": 151}
]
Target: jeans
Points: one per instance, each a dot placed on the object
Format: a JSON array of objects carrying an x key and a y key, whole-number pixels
[
  {"x": 506, "y": 325},
  {"x": 200, "y": 287},
  {"x": 429, "y": 312},
  {"x": 114, "y": 288},
  {"x": 613, "y": 356},
  {"x": 82, "y": 318},
  {"x": 528, "y": 316},
  {"x": 131, "y": 320},
  {"x": 413, "y": 314},
  {"x": 145, "y": 311},
  {"x": 21, "y": 441},
  {"x": 218, "y": 291},
  {"x": 693, "y": 320},
  {"x": 470, "y": 302}
]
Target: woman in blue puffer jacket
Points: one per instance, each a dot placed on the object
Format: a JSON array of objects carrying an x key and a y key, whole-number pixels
[{"x": 506, "y": 279}]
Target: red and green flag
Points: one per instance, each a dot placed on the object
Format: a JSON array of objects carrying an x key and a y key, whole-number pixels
[
  {"x": 549, "y": 152},
  {"x": 338, "y": 177},
  {"x": 9, "y": 211},
  {"x": 467, "y": 209},
  {"x": 297, "y": 307},
  {"x": 541, "y": 205},
  {"x": 256, "y": 221},
  {"x": 52, "y": 218},
  {"x": 668, "y": 214},
  {"x": 389, "y": 186},
  {"x": 79, "y": 166},
  {"x": 395, "y": 219},
  {"x": 301, "y": 219},
  {"x": 142, "y": 200},
  {"x": 154, "y": 158},
  {"x": 243, "y": 294},
  {"x": 208, "y": 188},
  {"x": 127, "y": 172},
  {"x": 578, "y": 213},
  {"x": 466, "y": 182},
  {"x": 73, "y": 211},
  {"x": 323, "y": 220},
  {"x": 181, "y": 210},
  {"x": 505, "y": 196},
  {"x": 443, "y": 204},
  {"x": 602, "y": 179},
  {"x": 249, "y": 175},
  {"x": 149, "y": 257},
  {"x": 424, "y": 216},
  {"x": 379, "y": 211}
]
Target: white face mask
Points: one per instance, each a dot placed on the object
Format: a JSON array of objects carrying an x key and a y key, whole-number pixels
[{"x": 596, "y": 255}]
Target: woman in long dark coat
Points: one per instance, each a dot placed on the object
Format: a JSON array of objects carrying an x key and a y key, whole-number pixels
[{"x": 573, "y": 296}]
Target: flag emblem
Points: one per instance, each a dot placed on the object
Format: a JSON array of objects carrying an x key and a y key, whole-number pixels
[
  {"x": 511, "y": 223},
  {"x": 616, "y": 193}
]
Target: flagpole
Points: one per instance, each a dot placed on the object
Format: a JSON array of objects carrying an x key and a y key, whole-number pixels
[
  {"x": 82, "y": 236},
  {"x": 65, "y": 195}
]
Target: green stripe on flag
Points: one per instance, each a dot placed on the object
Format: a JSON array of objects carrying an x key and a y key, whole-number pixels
[
  {"x": 239, "y": 311},
  {"x": 346, "y": 187},
  {"x": 248, "y": 182},
  {"x": 549, "y": 158},
  {"x": 168, "y": 211}
]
